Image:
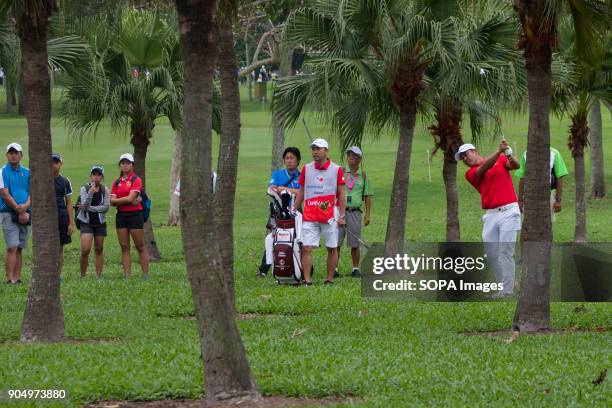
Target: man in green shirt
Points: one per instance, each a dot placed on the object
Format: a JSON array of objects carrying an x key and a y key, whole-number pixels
[
  {"x": 558, "y": 170},
  {"x": 358, "y": 191}
]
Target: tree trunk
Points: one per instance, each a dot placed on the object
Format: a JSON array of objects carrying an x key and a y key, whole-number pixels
[
  {"x": 447, "y": 137},
  {"x": 579, "y": 138},
  {"x": 449, "y": 172},
  {"x": 10, "y": 94},
  {"x": 533, "y": 307},
  {"x": 278, "y": 130},
  {"x": 227, "y": 374},
  {"x": 396, "y": 224},
  {"x": 140, "y": 141},
  {"x": 598, "y": 181},
  {"x": 174, "y": 214},
  {"x": 21, "y": 100},
  {"x": 227, "y": 165},
  {"x": 43, "y": 319},
  {"x": 248, "y": 59}
]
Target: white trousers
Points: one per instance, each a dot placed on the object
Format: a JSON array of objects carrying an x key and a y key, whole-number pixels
[{"x": 499, "y": 235}]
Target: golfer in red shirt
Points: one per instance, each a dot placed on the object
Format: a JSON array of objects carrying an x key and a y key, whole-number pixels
[
  {"x": 502, "y": 219},
  {"x": 130, "y": 215}
]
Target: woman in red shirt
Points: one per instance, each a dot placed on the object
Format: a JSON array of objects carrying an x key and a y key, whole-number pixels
[{"x": 125, "y": 195}]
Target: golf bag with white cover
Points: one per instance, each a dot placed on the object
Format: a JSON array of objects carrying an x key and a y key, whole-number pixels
[{"x": 283, "y": 243}]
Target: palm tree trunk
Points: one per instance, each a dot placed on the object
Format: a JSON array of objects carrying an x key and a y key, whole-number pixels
[
  {"x": 278, "y": 130},
  {"x": 449, "y": 172},
  {"x": 579, "y": 137},
  {"x": 43, "y": 319},
  {"x": 227, "y": 165},
  {"x": 227, "y": 374},
  {"x": 598, "y": 181},
  {"x": 21, "y": 100},
  {"x": 140, "y": 141},
  {"x": 533, "y": 307},
  {"x": 174, "y": 214},
  {"x": 396, "y": 224},
  {"x": 10, "y": 94}
]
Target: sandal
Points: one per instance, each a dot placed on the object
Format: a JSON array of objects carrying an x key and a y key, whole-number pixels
[{"x": 328, "y": 282}]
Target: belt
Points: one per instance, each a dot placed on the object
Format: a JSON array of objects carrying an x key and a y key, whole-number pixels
[
  {"x": 351, "y": 209},
  {"x": 502, "y": 208}
]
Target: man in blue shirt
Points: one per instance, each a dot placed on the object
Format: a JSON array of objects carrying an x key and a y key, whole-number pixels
[
  {"x": 15, "y": 202},
  {"x": 283, "y": 179}
]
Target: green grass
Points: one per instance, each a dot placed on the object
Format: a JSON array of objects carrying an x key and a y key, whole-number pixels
[{"x": 389, "y": 354}]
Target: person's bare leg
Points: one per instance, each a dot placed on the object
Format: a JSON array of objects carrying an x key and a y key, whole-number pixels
[
  {"x": 86, "y": 240},
  {"x": 143, "y": 255},
  {"x": 99, "y": 249},
  {"x": 18, "y": 264},
  {"x": 332, "y": 262},
  {"x": 355, "y": 255},
  {"x": 10, "y": 261},
  {"x": 307, "y": 263},
  {"x": 124, "y": 241}
]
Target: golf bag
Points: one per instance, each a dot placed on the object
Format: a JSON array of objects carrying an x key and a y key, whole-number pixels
[{"x": 283, "y": 243}]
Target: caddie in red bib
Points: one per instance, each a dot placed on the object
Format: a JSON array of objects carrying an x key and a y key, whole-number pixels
[{"x": 322, "y": 191}]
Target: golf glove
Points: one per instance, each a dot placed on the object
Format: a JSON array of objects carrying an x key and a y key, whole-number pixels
[{"x": 508, "y": 152}]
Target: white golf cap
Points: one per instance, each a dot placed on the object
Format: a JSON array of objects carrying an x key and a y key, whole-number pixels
[
  {"x": 356, "y": 150},
  {"x": 320, "y": 143},
  {"x": 14, "y": 146},
  {"x": 126, "y": 156},
  {"x": 462, "y": 149}
]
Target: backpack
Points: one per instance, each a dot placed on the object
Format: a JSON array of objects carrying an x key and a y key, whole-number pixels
[
  {"x": 146, "y": 201},
  {"x": 87, "y": 186}
]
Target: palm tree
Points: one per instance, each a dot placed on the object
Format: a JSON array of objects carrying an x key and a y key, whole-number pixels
[
  {"x": 132, "y": 78},
  {"x": 43, "y": 318},
  {"x": 227, "y": 374},
  {"x": 586, "y": 85},
  {"x": 366, "y": 70},
  {"x": 485, "y": 73},
  {"x": 538, "y": 19}
]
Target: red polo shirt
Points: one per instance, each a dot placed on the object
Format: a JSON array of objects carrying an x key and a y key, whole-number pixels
[
  {"x": 123, "y": 189},
  {"x": 495, "y": 187},
  {"x": 325, "y": 166}
]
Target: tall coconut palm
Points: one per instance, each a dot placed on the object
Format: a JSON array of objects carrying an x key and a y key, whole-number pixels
[
  {"x": 227, "y": 375},
  {"x": 485, "y": 73},
  {"x": 539, "y": 20},
  {"x": 132, "y": 78},
  {"x": 366, "y": 70}
]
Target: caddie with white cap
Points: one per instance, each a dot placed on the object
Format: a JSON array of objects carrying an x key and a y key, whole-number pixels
[
  {"x": 502, "y": 219},
  {"x": 321, "y": 187}
]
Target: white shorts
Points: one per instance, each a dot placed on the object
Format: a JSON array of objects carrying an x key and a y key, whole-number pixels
[{"x": 312, "y": 231}]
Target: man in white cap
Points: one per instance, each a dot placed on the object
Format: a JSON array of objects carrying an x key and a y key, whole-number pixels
[
  {"x": 502, "y": 219},
  {"x": 15, "y": 202},
  {"x": 321, "y": 187},
  {"x": 358, "y": 191}
]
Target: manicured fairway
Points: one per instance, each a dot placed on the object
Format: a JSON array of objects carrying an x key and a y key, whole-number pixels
[{"x": 137, "y": 339}]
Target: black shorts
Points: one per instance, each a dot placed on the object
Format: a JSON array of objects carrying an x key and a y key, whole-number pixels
[
  {"x": 63, "y": 230},
  {"x": 98, "y": 230},
  {"x": 131, "y": 220}
]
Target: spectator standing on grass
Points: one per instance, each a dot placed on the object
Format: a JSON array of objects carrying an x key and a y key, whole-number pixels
[
  {"x": 502, "y": 219},
  {"x": 558, "y": 170},
  {"x": 125, "y": 195},
  {"x": 283, "y": 179},
  {"x": 358, "y": 191},
  {"x": 321, "y": 188},
  {"x": 15, "y": 202},
  {"x": 63, "y": 199},
  {"x": 94, "y": 204}
]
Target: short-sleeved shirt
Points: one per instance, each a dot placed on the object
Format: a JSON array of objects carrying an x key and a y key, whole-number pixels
[
  {"x": 356, "y": 188},
  {"x": 17, "y": 181},
  {"x": 495, "y": 187},
  {"x": 325, "y": 166},
  {"x": 63, "y": 189},
  {"x": 558, "y": 167},
  {"x": 282, "y": 178},
  {"x": 122, "y": 188}
]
